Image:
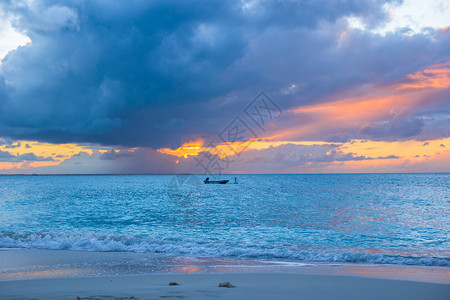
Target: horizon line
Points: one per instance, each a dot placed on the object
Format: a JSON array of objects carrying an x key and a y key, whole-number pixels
[{"x": 230, "y": 174}]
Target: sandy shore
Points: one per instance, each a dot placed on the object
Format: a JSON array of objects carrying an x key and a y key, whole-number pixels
[
  {"x": 60, "y": 274},
  {"x": 203, "y": 286}
]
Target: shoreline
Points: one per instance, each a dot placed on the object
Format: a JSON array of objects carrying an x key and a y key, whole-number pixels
[
  {"x": 64, "y": 274},
  {"x": 202, "y": 286},
  {"x": 29, "y": 264}
]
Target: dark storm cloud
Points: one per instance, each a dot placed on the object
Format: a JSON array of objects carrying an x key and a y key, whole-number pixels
[{"x": 152, "y": 73}]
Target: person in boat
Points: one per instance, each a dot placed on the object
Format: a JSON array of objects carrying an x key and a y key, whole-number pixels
[{"x": 206, "y": 180}]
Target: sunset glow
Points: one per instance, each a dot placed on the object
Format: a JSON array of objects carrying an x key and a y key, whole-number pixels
[{"x": 360, "y": 97}]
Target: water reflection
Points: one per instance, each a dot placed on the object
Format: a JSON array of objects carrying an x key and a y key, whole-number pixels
[{"x": 88, "y": 264}]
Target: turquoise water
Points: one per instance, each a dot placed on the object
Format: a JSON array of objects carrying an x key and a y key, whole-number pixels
[{"x": 377, "y": 218}]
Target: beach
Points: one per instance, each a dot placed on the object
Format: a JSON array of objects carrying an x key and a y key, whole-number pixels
[
  {"x": 205, "y": 286},
  {"x": 61, "y": 274}
]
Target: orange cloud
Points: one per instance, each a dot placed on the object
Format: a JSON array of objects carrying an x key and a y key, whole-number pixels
[
  {"x": 347, "y": 113},
  {"x": 435, "y": 76},
  {"x": 434, "y": 162},
  {"x": 366, "y": 104},
  {"x": 409, "y": 149},
  {"x": 190, "y": 148},
  {"x": 58, "y": 152},
  {"x": 27, "y": 165},
  {"x": 193, "y": 148},
  {"x": 354, "y": 108},
  {"x": 8, "y": 165},
  {"x": 407, "y": 156},
  {"x": 224, "y": 150}
]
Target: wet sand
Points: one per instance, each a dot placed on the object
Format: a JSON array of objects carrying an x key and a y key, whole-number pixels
[
  {"x": 61, "y": 274},
  {"x": 205, "y": 286}
]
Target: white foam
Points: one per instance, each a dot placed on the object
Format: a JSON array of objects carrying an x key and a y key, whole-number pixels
[{"x": 94, "y": 242}]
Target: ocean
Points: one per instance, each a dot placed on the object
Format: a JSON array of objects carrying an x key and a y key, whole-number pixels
[{"x": 395, "y": 219}]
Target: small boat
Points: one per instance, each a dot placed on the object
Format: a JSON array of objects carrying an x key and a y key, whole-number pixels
[{"x": 207, "y": 181}]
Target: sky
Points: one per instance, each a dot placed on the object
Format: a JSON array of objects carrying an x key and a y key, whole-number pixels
[{"x": 218, "y": 87}]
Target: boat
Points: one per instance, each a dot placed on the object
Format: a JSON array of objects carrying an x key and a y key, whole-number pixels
[{"x": 207, "y": 181}]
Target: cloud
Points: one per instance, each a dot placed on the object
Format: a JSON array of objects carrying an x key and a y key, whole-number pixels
[
  {"x": 340, "y": 137},
  {"x": 137, "y": 161},
  {"x": 8, "y": 157},
  {"x": 397, "y": 127},
  {"x": 12, "y": 146},
  {"x": 115, "y": 155},
  {"x": 309, "y": 157},
  {"x": 147, "y": 161},
  {"x": 156, "y": 73},
  {"x": 6, "y": 141},
  {"x": 281, "y": 159},
  {"x": 44, "y": 17}
]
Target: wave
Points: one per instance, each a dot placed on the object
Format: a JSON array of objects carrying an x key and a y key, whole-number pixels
[{"x": 179, "y": 246}]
